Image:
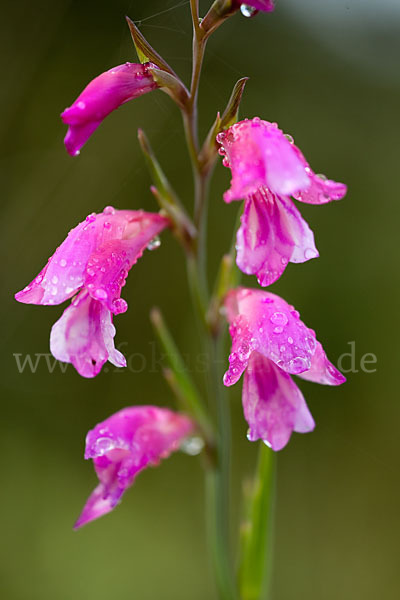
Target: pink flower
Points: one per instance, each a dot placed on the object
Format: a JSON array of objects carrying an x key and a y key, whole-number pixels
[
  {"x": 264, "y": 5},
  {"x": 92, "y": 262},
  {"x": 270, "y": 343},
  {"x": 100, "y": 97},
  {"x": 267, "y": 168},
  {"x": 123, "y": 445}
]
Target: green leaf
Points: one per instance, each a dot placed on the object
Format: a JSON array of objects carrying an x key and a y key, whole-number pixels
[
  {"x": 166, "y": 196},
  {"x": 256, "y": 531},
  {"x": 178, "y": 377}
]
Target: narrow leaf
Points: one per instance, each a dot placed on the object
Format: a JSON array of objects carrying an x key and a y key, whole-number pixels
[
  {"x": 166, "y": 196},
  {"x": 183, "y": 383}
]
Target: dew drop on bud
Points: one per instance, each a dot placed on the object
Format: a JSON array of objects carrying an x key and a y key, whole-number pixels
[
  {"x": 154, "y": 243},
  {"x": 248, "y": 11}
]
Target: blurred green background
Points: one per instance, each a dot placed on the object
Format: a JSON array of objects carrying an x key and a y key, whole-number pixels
[{"x": 328, "y": 73}]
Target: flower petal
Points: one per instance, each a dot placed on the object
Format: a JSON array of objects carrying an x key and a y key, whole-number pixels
[
  {"x": 260, "y": 155},
  {"x": 320, "y": 190},
  {"x": 64, "y": 273},
  {"x": 125, "y": 444},
  {"x": 84, "y": 336},
  {"x": 273, "y": 404},
  {"x": 322, "y": 370},
  {"x": 272, "y": 233},
  {"x": 108, "y": 266},
  {"x": 101, "y": 96},
  {"x": 274, "y": 327}
]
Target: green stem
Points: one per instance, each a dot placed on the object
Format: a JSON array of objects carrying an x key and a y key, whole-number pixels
[
  {"x": 257, "y": 530},
  {"x": 218, "y": 476}
]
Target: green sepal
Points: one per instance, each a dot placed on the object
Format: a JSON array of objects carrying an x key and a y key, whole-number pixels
[
  {"x": 145, "y": 52},
  {"x": 228, "y": 118}
]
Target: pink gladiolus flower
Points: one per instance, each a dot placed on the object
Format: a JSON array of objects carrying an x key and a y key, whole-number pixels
[
  {"x": 92, "y": 262},
  {"x": 123, "y": 445},
  {"x": 264, "y": 5},
  {"x": 270, "y": 343},
  {"x": 267, "y": 168},
  {"x": 100, "y": 97}
]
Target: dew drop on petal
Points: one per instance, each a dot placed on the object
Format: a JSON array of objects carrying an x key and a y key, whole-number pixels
[
  {"x": 298, "y": 365},
  {"x": 63, "y": 262},
  {"x": 310, "y": 253},
  {"x": 279, "y": 318},
  {"x": 109, "y": 210},
  {"x": 100, "y": 294},
  {"x": 247, "y": 10},
  {"x": 103, "y": 445},
  {"x": 154, "y": 243}
]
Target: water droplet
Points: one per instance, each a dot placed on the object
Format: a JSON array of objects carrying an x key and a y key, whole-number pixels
[
  {"x": 119, "y": 306},
  {"x": 290, "y": 340},
  {"x": 247, "y": 10},
  {"x": 298, "y": 365},
  {"x": 322, "y": 176},
  {"x": 109, "y": 210},
  {"x": 266, "y": 442},
  {"x": 54, "y": 279},
  {"x": 90, "y": 218},
  {"x": 53, "y": 291},
  {"x": 192, "y": 445},
  {"x": 107, "y": 225},
  {"x": 295, "y": 314},
  {"x": 63, "y": 262},
  {"x": 90, "y": 271},
  {"x": 310, "y": 253},
  {"x": 289, "y": 138},
  {"x": 100, "y": 294},
  {"x": 278, "y": 329},
  {"x": 103, "y": 445},
  {"x": 279, "y": 318},
  {"x": 154, "y": 243},
  {"x": 81, "y": 105}
]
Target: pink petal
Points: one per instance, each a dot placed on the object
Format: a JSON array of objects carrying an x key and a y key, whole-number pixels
[
  {"x": 84, "y": 336},
  {"x": 273, "y": 405},
  {"x": 322, "y": 370},
  {"x": 274, "y": 328},
  {"x": 260, "y": 155},
  {"x": 320, "y": 190},
  {"x": 64, "y": 273},
  {"x": 101, "y": 96},
  {"x": 272, "y": 233},
  {"x": 108, "y": 266},
  {"x": 125, "y": 444}
]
